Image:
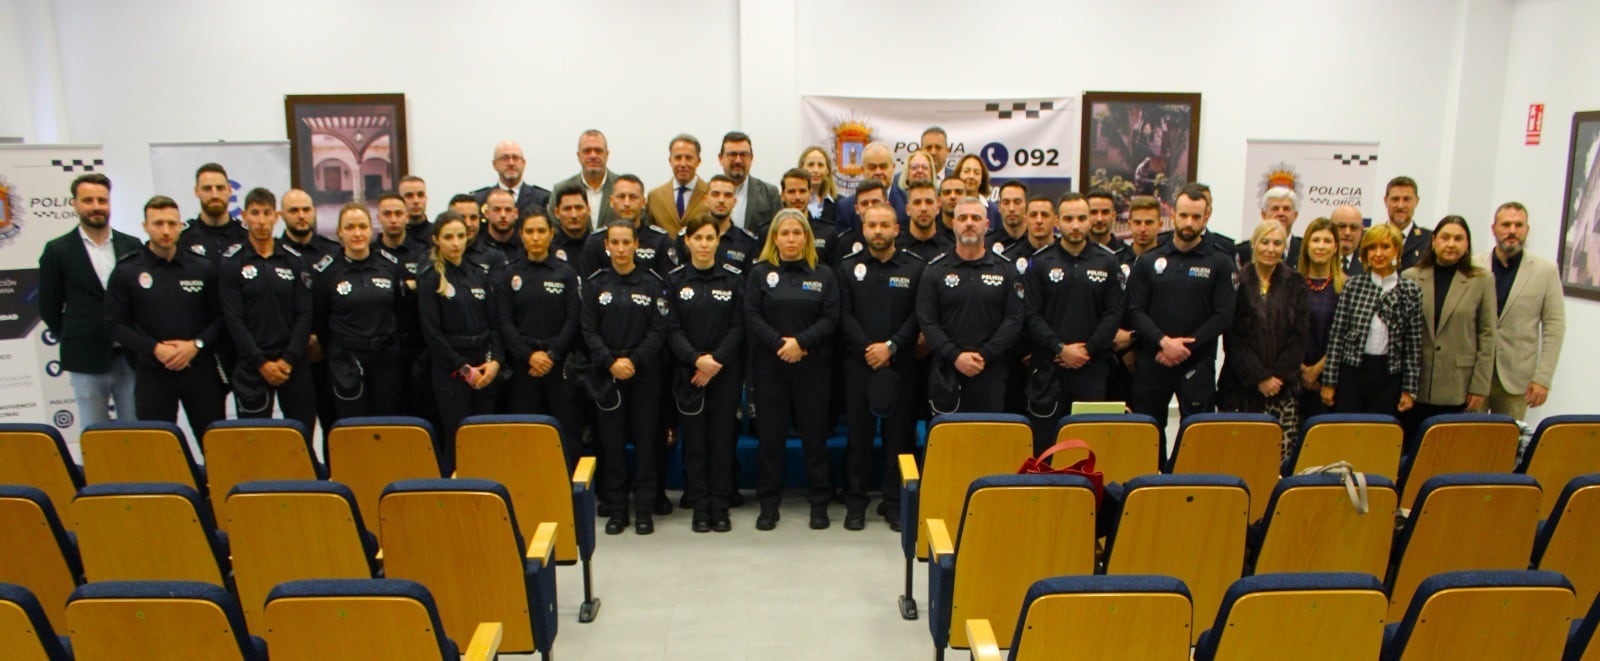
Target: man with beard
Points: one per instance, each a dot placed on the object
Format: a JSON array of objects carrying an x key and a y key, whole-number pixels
[
  {"x": 212, "y": 232},
  {"x": 1074, "y": 303},
  {"x": 924, "y": 236},
  {"x": 414, "y": 191},
  {"x": 796, "y": 188},
  {"x": 655, "y": 249},
  {"x": 969, "y": 305},
  {"x": 877, "y": 320},
  {"x": 1013, "y": 227},
  {"x": 1102, "y": 213},
  {"x": 73, "y": 270},
  {"x": 500, "y": 216},
  {"x": 951, "y": 191},
  {"x": 478, "y": 252},
  {"x": 593, "y": 178},
  {"x": 755, "y": 201},
  {"x": 392, "y": 239},
  {"x": 508, "y": 164},
  {"x": 1039, "y": 230},
  {"x": 1347, "y": 228},
  {"x": 300, "y": 228},
  {"x": 672, "y": 203},
  {"x": 1532, "y": 317},
  {"x": 572, "y": 213},
  {"x": 1180, "y": 300},
  {"x": 877, "y": 164}
]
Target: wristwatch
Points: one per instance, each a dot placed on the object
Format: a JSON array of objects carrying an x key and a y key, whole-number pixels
[
  {"x": 892, "y": 347},
  {"x": 199, "y": 343}
]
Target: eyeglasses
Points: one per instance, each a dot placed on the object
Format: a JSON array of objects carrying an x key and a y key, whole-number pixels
[{"x": 738, "y": 155}]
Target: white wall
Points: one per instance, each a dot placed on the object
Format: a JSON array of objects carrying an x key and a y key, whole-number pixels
[{"x": 1551, "y": 60}]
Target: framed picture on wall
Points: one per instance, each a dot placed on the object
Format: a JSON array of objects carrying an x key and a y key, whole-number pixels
[
  {"x": 1580, "y": 212},
  {"x": 345, "y": 148},
  {"x": 1139, "y": 143}
]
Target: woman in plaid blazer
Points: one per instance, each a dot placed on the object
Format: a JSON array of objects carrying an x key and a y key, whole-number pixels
[{"x": 1375, "y": 345}]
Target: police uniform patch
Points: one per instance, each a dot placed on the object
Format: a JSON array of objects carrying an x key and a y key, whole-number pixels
[
  {"x": 811, "y": 285},
  {"x": 1056, "y": 274},
  {"x": 283, "y": 273},
  {"x": 411, "y": 267},
  {"x": 197, "y": 249},
  {"x": 323, "y": 263},
  {"x": 248, "y": 272},
  {"x": 605, "y": 298},
  {"x": 1161, "y": 265},
  {"x": 449, "y": 290},
  {"x": 478, "y": 293},
  {"x": 861, "y": 272},
  {"x": 516, "y": 283},
  {"x": 993, "y": 279},
  {"x": 722, "y": 294},
  {"x": 661, "y": 306},
  {"x": 555, "y": 287},
  {"x": 1126, "y": 270},
  {"x": 856, "y": 247},
  {"x": 383, "y": 283},
  {"x": 998, "y": 248},
  {"x": 822, "y": 244},
  {"x": 192, "y": 286},
  {"x": 1096, "y": 275},
  {"x": 561, "y": 255},
  {"x": 1019, "y": 290},
  {"x": 343, "y": 288},
  {"x": 232, "y": 250},
  {"x": 731, "y": 269},
  {"x": 952, "y": 280},
  {"x": 640, "y": 299},
  {"x": 687, "y": 293},
  {"x": 146, "y": 281},
  {"x": 1022, "y": 264},
  {"x": 646, "y": 253},
  {"x": 772, "y": 279}
]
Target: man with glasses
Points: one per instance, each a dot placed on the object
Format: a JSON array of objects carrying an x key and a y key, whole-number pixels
[
  {"x": 755, "y": 201},
  {"x": 508, "y": 165}
]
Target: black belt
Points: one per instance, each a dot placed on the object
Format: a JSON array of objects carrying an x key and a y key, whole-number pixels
[
  {"x": 468, "y": 342},
  {"x": 363, "y": 343}
]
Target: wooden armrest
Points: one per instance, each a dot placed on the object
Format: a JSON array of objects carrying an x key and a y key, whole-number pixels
[
  {"x": 583, "y": 475},
  {"x": 939, "y": 539},
  {"x": 486, "y": 642},
  {"x": 908, "y": 469},
  {"x": 379, "y": 555},
  {"x": 543, "y": 542},
  {"x": 980, "y": 636}
]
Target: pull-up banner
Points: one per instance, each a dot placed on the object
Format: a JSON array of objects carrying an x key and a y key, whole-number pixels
[
  {"x": 1323, "y": 175},
  {"x": 1030, "y": 140}
]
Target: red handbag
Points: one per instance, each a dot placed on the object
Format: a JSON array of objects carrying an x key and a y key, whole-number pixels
[{"x": 1040, "y": 465}]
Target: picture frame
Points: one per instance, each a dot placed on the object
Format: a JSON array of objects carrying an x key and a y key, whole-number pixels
[
  {"x": 345, "y": 148},
  {"x": 1579, "y": 253},
  {"x": 1139, "y": 143}
]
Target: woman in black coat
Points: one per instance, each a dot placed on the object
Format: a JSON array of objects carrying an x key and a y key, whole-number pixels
[{"x": 1268, "y": 337}]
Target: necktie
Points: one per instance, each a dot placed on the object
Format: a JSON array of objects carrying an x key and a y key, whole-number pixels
[{"x": 682, "y": 190}]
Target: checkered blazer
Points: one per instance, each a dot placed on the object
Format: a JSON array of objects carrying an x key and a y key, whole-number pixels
[{"x": 1401, "y": 311}]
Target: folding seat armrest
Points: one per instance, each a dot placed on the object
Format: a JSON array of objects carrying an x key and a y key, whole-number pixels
[
  {"x": 981, "y": 637},
  {"x": 485, "y": 642},
  {"x": 543, "y": 545},
  {"x": 908, "y": 470},
  {"x": 939, "y": 540},
  {"x": 583, "y": 475},
  {"x": 910, "y": 498}
]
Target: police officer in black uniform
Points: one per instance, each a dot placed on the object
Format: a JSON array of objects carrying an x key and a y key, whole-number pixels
[
  {"x": 656, "y": 250},
  {"x": 161, "y": 304},
  {"x": 705, "y": 333},
  {"x": 537, "y": 298},
  {"x": 791, "y": 312},
  {"x": 878, "y": 324},
  {"x": 572, "y": 226},
  {"x": 624, "y": 327},
  {"x": 499, "y": 223},
  {"x": 924, "y": 236},
  {"x": 796, "y": 191},
  {"x": 354, "y": 297},
  {"x": 459, "y": 323},
  {"x": 1180, "y": 300},
  {"x": 735, "y": 245},
  {"x": 1102, "y": 213},
  {"x": 414, "y": 257},
  {"x": 478, "y": 251},
  {"x": 265, "y": 291},
  {"x": 1074, "y": 303},
  {"x": 300, "y": 228},
  {"x": 1013, "y": 226},
  {"x": 212, "y": 232},
  {"x": 969, "y": 306}
]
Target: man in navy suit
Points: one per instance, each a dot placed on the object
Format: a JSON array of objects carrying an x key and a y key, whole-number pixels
[
  {"x": 73, "y": 270},
  {"x": 1347, "y": 227},
  {"x": 877, "y": 161},
  {"x": 508, "y": 164},
  {"x": 1400, "y": 199}
]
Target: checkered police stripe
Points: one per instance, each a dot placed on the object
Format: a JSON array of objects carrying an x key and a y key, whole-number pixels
[
  {"x": 77, "y": 165},
  {"x": 1346, "y": 159},
  {"x": 1006, "y": 110}
]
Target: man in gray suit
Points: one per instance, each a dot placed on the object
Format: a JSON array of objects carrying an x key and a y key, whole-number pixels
[
  {"x": 755, "y": 201},
  {"x": 593, "y": 175},
  {"x": 1532, "y": 317}
]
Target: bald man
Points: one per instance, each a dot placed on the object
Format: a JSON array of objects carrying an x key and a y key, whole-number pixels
[
  {"x": 1347, "y": 228},
  {"x": 508, "y": 165},
  {"x": 877, "y": 162}
]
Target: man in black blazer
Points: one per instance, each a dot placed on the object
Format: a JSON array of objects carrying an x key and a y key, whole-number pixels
[
  {"x": 756, "y": 200},
  {"x": 73, "y": 270},
  {"x": 1400, "y": 198},
  {"x": 509, "y": 163}
]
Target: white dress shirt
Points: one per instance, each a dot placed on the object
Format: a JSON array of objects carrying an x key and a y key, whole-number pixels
[
  {"x": 1378, "y": 332},
  {"x": 594, "y": 194},
  {"x": 102, "y": 256},
  {"x": 739, "y": 196}
]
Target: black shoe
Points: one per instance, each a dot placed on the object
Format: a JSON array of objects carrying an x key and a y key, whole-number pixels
[
  {"x": 701, "y": 523},
  {"x": 855, "y": 520},
  {"x": 736, "y": 499},
  {"x": 602, "y": 510},
  {"x": 644, "y": 525},
  {"x": 720, "y": 522},
  {"x": 893, "y": 517},
  {"x": 819, "y": 517},
  {"x": 883, "y": 508},
  {"x": 663, "y": 504},
  {"x": 683, "y": 501},
  {"x": 616, "y": 524},
  {"x": 768, "y": 519}
]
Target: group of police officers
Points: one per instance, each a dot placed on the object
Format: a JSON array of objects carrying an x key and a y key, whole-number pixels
[{"x": 631, "y": 335}]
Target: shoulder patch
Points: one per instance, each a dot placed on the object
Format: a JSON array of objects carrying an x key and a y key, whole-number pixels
[
  {"x": 322, "y": 264},
  {"x": 658, "y": 230},
  {"x": 936, "y": 259},
  {"x": 596, "y": 273},
  {"x": 680, "y": 268},
  {"x": 1047, "y": 247},
  {"x": 290, "y": 249},
  {"x": 232, "y": 250},
  {"x": 388, "y": 256},
  {"x": 855, "y": 252},
  {"x": 748, "y": 233},
  {"x": 657, "y": 276},
  {"x": 1005, "y": 258},
  {"x": 910, "y": 254},
  {"x": 730, "y": 268}
]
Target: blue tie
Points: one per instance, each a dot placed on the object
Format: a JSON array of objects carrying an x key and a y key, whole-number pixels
[{"x": 681, "y": 191}]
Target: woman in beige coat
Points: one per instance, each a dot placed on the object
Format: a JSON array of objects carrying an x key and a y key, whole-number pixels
[{"x": 1458, "y": 330}]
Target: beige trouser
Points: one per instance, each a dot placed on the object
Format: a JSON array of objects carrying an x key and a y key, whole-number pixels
[{"x": 1508, "y": 403}]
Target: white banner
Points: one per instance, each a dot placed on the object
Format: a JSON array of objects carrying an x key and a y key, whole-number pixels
[
  {"x": 1031, "y": 140},
  {"x": 35, "y": 207},
  {"x": 249, "y": 165},
  {"x": 1324, "y": 175}
]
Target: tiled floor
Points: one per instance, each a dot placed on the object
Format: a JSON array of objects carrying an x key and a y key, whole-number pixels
[{"x": 792, "y": 593}]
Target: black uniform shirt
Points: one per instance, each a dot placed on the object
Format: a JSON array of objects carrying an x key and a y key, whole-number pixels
[
  {"x": 707, "y": 313},
  {"x": 266, "y": 304},
  {"x": 419, "y": 231},
  {"x": 538, "y": 307},
  {"x": 314, "y": 250},
  {"x": 624, "y": 316},
  {"x": 413, "y": 257},
  {"x": 998, "y": 236},
  {"x": 211, "y": 242},
  {"x": 480, "y": 254},
  {"x": 512, "y": 248},
  {"x": 1073, "y": 298},
  {"x": 357, "y": 298},
  {"x": 794, "y": 300},
  {"x": 736, "y": 246},
  {"x": 970, "y": 306},
  {"x": 878, "y": 299},
  {"x": 151, "y": 300},
  {"x": 570, "y": 250},
  {"x": 460, "y": 324},
  {"x": 1182, "y": 294},
  {"x": 655, "y": 252},
  {"x": 940, "y": 244}
]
